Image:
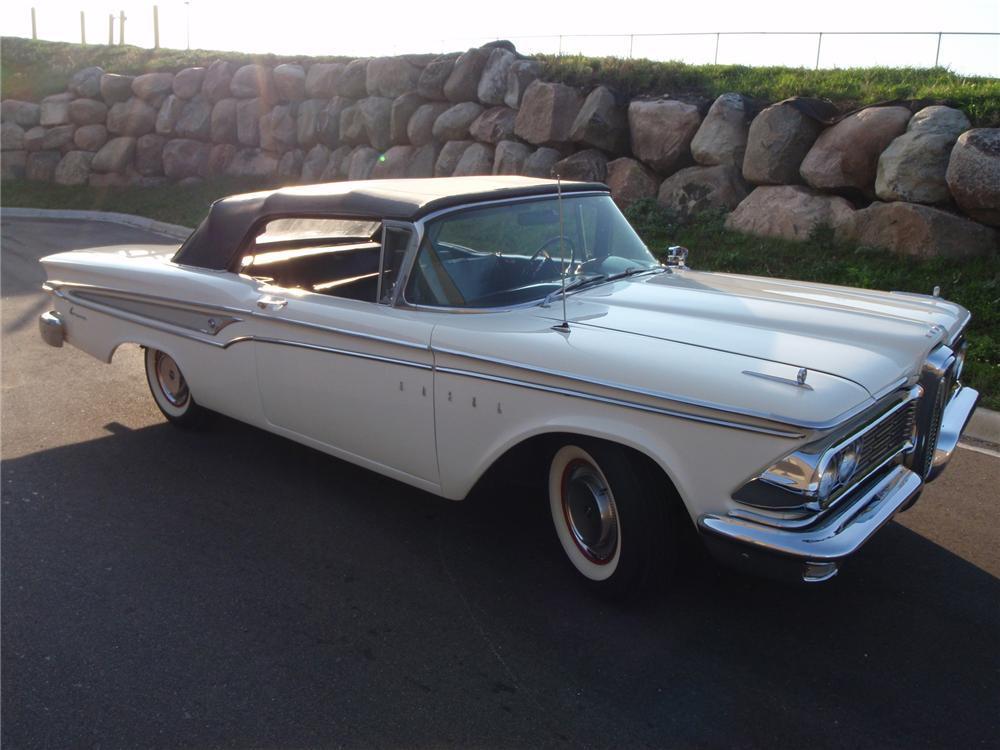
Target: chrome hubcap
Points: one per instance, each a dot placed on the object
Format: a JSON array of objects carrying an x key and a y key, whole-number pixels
[
  {"x": 590, "y": 512},
  {"x": 171, "y": 382}
]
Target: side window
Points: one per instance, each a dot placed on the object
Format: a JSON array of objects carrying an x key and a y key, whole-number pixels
[{"x": 395, "y": 241}]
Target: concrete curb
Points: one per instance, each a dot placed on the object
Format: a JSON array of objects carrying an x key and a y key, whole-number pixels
[
  {"x": 175, "y": 231},
  {"x": 984, "y": 425}
]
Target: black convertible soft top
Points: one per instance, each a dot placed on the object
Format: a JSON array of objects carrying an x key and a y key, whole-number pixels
[{"x": 217, "y": 241}]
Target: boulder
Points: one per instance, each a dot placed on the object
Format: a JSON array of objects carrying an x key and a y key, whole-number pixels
[
  {"x": 494, "y": 125},
  {"x": 477, "y": 159},
  {"x": 134, "y": 117},
  {"x": 11, "y": 137},
  {"x": 722, "y": 135},
  {"x": 547, "y": 114},
  {"x": 422, "y": 160},
  {"x": 661, "y": 131},
  {"x": 463, "y": 82},
  {"x": 54, "y": 110},
  {"x": 449, "y": 157},
  {"x": 589, "y": 165},
  {"x": 391, "y": 76},
  {"x": 88, "y": 112},
  {"x": 218, "y": 78},
  {"x": 376, "y": 116},
  {"x": 778, "y": 140},
  {"x": 913, "y": 167},
  {"x": 520, "y": 75},
  {"x": 337, "y": 167},
  {"x": 13, "y": 165},
  {"x": 195, "y": 120},
  {"x": 420, "y": 128},
  {"x": 315, "y": 162},
  {"x": 278, "y": 129},
  {"x": 602, "y": 122},
  {"x": 73, "y": 168},
  {"x": 86, "y": 82},
  {"x": 153, "y": 87},
  {"x": 248, "y": 114},
  {"x": 509, "y": 157},
  {"x": 149, "y": 155},
  {"x": 219, "y": 158},
  {"x": 116, "y": 88},
  {"x": 170, "y": 112},
  {"x": 403, "y": 108},
  {"x": 361, "y": 163},
  {"x": 115, "y": 155},
  {"x": 695, "y": 190},
  {"x": 188, "y": 82},
  {"x": 34, "y": 138},
  {"x": 630, "y": 181},
  {"x": 90, "y": 137},
  {"x": 845, "y": 156},
  {"x": 223, "y": 122},
  {"x": 352, "y": 126},
  {"x": 921, "y": 231},
  {"x": 790, "y": 212},
  {"x": 25, "y": 114},
  {"x": 290, "y": 85},
  {"x": 183, "y": 157},
  {"x": 329, "y": 120},
  {"x": 434, "y": 76},
  {"x": 353, "y": 80},
  {"x": 321, "y": 80},
  {"x": 393, "y": 163},
  {"x": 41, "y": 165},
  {"x": 540, "y": 163},
  {"x": 253, "y": 82},
  {"x": 308, "y": 122},
  {"x": 290, "y": 165},
  {"x": 453, "y": 124},
  {"x": 252, "y": 162},
  {"x": 974, "y": 174},
  {"x": 58, "y": 137},
  {"x": 492, "y": 87}
]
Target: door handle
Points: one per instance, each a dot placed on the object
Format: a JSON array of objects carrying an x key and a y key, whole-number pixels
[{"x": 267, "y": 302}]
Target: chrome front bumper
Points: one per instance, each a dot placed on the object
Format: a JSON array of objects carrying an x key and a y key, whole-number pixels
[
  {"x": 812, "y": 553},
  {"x": 51, "y": 328}
]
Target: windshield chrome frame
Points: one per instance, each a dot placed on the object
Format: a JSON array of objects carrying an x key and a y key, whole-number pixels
[{"x": 420, "y": 227}]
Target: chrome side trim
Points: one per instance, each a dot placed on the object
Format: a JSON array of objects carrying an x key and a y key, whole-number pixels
[
  {"x": 332, "y": 350},
  {"x": 778, "y": 379},
  {"x": 58, "y": 287},
  {"x": 192, "y": 318},
  {"x": 838, "y": 535},
  {"x": 617, "y": 402},
  {"x": 663, "y": 395}
]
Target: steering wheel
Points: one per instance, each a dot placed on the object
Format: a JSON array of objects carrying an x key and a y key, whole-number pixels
[{"x": 544, "y": 249}]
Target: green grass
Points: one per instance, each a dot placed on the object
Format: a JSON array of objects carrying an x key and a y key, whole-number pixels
[
  {"x": 972, "y": 283},
  {"x": 848, "y": 88}
]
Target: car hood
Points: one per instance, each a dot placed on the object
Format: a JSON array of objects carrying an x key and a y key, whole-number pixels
[{"x": 871, "y": 338}]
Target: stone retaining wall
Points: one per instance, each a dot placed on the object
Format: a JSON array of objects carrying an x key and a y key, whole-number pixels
[{"x": 920, "y": 183}]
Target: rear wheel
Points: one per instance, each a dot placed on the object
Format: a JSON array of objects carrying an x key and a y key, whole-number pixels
[
  {"x": 171, "y": 392},
  {"x": 610, "y": 515}
]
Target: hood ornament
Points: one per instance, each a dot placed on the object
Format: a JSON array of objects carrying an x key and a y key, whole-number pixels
[{"x": 800, "y": 378}]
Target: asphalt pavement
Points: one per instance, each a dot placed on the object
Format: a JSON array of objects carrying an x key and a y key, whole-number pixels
[{"x": 233, "y": 589}]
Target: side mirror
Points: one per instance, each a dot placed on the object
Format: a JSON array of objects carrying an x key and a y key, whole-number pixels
[{"x": 677, "y": 256}]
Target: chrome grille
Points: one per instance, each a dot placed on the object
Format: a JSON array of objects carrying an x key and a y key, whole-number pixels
[{"x": 887, "y": 438}]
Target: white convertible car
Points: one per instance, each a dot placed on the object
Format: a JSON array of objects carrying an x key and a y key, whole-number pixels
[{"x": 429, "y": 329}]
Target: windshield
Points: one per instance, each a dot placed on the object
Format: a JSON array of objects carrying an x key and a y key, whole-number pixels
[{"x": 514, "y": 253}]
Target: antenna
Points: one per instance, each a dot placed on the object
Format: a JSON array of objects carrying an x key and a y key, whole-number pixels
[{"x": 564, "y": 326}]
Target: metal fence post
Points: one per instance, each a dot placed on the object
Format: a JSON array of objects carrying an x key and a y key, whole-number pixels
[
  {"x": 717, "y": 35},
  {"x": 83, "y": 29},
  {"x": 819, "y": 45},
  {"x": 937, "y": 55},
  {"x": 34, "y": 27},
  {"x": 156, "y": 27}
]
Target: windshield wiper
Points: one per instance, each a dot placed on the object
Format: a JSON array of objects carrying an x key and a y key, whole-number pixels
[
  {"x": 575, "y": 284},
  {"x": 635, "y": 270}
]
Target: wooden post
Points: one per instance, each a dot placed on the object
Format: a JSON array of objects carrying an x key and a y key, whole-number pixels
[
  {"x": 83, "y": 29},
  {"x": 156, "y": 27},
  {"x": 111, "y": 29},
  {"x": 121, "y": 28},
  {"x": 819, "y": 45},
  {"x": 34, "y": 27}
]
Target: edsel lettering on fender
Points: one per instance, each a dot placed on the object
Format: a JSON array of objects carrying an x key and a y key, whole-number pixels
[{"x": 428, "y": 329}]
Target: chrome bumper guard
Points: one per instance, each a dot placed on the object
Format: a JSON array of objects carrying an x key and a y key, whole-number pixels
[
  {"x": 51, "y": 328},
  {"x": 812, "y": 554}
]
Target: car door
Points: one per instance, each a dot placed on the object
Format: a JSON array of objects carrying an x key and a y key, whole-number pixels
[{"x": 352, "y": 377}]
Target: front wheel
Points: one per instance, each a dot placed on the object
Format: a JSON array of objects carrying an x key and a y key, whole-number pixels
[
  {"x": 611, "y": 518},
  {"x": 171, "y": 392}
]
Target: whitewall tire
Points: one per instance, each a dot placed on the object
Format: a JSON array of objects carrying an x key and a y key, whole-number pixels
[{"x": 170, "y": 390}]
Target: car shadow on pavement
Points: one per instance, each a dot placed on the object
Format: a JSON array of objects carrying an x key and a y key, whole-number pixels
[{"x": 232, "y": 587}]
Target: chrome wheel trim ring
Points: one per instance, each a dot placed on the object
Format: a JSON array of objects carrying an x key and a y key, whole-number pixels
[
  {"x": 589, "y": 511},
  {"x": 170, "y": 380}
]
